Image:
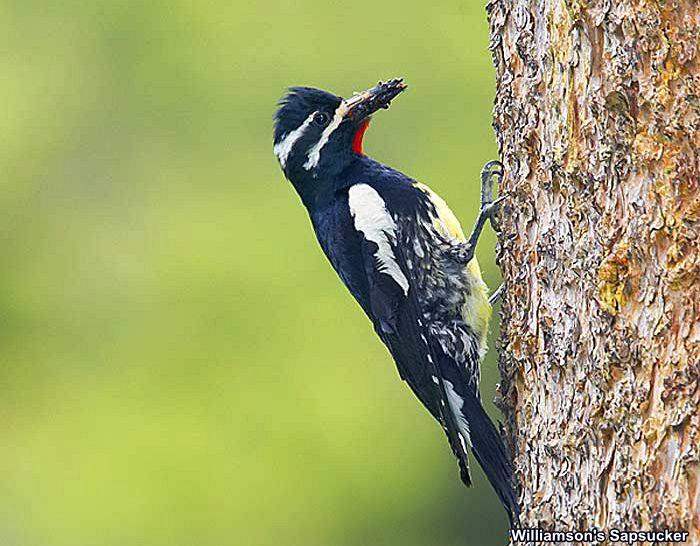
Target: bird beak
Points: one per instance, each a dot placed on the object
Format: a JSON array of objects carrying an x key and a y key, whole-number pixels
[{"x": 366, "y": 103}]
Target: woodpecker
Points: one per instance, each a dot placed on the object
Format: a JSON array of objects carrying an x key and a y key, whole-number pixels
[{"x": 401, "y": 252}]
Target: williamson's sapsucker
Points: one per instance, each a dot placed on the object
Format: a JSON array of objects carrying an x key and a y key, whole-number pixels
[{"x": 402, "y": 254}]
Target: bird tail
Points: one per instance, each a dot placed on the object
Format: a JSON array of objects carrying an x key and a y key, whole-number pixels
[{"x": 487, "y": 446}]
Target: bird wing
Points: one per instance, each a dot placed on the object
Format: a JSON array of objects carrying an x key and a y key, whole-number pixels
[
  {"x": 387, "y": 269},
  {"x": 418, "y": 290},
  {"x": 393, "y": 251}
]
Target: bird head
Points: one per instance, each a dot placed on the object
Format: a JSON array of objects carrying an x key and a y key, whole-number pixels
[{"x": 318, "y": 133}]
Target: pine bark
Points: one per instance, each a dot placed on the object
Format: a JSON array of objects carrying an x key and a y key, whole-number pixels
[{"x": 596, "y": 114}]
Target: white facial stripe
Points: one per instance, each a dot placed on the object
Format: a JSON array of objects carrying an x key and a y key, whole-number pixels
[
  {"x": 456, "y": 403},
  {"x": 373, "y": 219},
  {"x": 315, "y": 151},
  {"x": 284, "y": 147}
]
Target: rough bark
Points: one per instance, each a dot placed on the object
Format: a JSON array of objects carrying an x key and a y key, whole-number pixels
[{"x": 597, "y": 115}]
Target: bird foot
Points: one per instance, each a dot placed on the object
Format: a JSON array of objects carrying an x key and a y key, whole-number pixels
[
  {"x": 491, "y": 175},
  {"x": 489, "y": 207}
]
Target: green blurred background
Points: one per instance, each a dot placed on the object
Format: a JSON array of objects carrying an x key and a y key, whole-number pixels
[{"x": 180, "y": 366}]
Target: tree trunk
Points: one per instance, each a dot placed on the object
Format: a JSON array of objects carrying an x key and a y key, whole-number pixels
[{"x": 597, "y": 115}]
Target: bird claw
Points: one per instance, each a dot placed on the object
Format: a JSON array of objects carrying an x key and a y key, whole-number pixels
[
  {"x": 493, "y": 170},
  {"x": 489, "y": 205}
]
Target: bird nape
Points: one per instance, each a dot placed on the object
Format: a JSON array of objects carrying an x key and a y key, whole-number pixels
[{"x": 402, "y": 253}]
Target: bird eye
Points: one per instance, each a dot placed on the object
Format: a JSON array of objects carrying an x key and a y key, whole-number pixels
[{"x": 321, "y": 118}]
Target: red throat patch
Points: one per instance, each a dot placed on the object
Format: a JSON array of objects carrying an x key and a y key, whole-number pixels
[{"x": 359, "y": 135}]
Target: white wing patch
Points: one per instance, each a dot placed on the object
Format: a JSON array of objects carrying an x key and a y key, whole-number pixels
[
  {"x": 315, "y": 152},
  {"x": 284, "y": 147},
  {"x": 373, "y": 219},
  {"x": 456, "y": 403}
]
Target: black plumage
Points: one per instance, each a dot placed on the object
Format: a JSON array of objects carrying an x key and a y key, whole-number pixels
[{"x": 399, "y": 251}]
